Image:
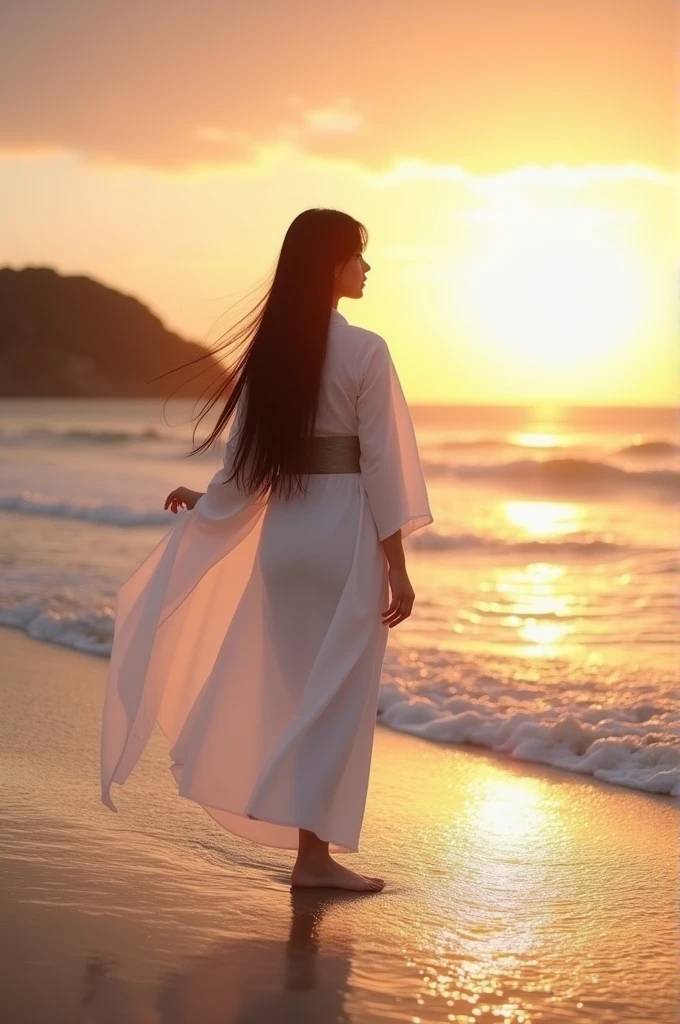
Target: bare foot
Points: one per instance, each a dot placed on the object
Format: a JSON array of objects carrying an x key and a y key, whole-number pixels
[{"x": 330, "y": 874}]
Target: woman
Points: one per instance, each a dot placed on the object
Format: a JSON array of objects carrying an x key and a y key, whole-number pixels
[{"x": 254, "y": 633}]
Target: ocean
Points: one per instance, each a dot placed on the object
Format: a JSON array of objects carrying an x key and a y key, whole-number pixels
[{"x": 546, "y": 613}]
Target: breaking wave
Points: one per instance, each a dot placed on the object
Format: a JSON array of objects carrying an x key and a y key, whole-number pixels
[
  {"x": 627, "y": 736},
  {"x": 113, "y": 515},
  {"x": 82, "y": 436},
  {"x": 650, "y": 449},
  {"x": 552, "y": 475},
  {"x": 570, "y": 547}
]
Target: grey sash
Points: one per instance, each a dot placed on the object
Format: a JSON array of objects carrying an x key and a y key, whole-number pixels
[{"x": 338, "y": 453}]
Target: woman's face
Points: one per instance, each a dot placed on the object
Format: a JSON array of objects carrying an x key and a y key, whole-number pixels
[{"x": 350, "y": 276}]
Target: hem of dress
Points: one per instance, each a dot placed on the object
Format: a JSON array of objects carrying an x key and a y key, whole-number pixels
[
  {"x": 340, "y": 847},
  {"x": 209, "y": 808}
]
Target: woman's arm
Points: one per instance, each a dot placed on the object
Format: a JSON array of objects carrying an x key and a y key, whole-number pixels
[
  {"x": 401, "y": 590},
  {"x": 393, "y": 547}
]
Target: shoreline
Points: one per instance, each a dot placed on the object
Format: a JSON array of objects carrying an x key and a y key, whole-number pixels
[{"x": 517, "y": 889}]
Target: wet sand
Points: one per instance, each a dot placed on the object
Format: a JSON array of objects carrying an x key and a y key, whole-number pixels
[{"x": 515, "y": 892}]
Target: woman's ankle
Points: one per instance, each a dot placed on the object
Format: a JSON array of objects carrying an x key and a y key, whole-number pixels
[
  {"x": 313, "y": 857},
  {"x": 311, "y": 849}
]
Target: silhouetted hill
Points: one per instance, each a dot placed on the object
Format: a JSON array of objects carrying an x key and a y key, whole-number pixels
[{"x": 66, "y": 336}]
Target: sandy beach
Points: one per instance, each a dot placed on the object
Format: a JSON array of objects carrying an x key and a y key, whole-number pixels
[{"x": 514, "y": 892}]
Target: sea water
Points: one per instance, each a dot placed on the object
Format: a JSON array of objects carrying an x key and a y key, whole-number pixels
[{"x": 546, "y": 613}]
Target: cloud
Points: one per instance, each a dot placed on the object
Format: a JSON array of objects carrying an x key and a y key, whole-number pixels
[
  {"x": 485, "y": 85},
  {"x": 338, "y": 120},
  {"x": 213, "y": 133}
]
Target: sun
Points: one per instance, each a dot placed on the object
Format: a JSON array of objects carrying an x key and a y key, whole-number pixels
[{"x": 553, "y": 291}]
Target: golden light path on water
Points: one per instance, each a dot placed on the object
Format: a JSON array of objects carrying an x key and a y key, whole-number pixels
[
  {"x": 544, "y": 518},
  {"x": 536, "y": 586},
  {"x": 508, "y": 847},
  {"x": 540, "y": 440},
  {"x": 536, "y": 607}
]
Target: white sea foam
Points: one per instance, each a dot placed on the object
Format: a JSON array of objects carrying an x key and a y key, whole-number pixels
[
  {"x": 628, "y": 736},
  {"x": 82, "y": 630},
  {"x": 29, "y": 503}
]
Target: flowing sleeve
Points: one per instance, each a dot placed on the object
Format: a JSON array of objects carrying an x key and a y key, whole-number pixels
[
  {"x": 219, "y": 495},
  {"x": 390, "y": 464},
  {"x": 172, "y": 614}
]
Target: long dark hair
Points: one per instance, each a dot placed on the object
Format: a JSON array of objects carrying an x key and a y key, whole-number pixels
[{"x": 285, "y": 335}]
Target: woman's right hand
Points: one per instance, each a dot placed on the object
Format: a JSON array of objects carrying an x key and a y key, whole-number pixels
[
  {"x": 181, "y": 497},
  {"x": 403, "y": 596}
]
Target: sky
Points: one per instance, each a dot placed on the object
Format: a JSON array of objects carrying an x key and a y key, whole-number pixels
[{"x": 514, "y": 162}]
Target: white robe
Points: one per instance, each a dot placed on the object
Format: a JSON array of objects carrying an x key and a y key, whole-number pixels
[{"x": 252, "y": 633}]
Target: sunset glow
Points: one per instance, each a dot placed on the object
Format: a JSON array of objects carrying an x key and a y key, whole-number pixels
[
  {"x": 521, "y": 219},
  {"x": 554, "y": 291}
]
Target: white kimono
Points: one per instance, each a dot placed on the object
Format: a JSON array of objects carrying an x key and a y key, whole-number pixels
[{"x": 252, "y": 633}]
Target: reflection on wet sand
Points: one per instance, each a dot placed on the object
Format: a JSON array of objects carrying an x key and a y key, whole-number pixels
[{"x": 238, "y": 982}]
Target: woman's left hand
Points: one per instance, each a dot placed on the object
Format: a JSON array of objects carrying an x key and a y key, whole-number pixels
[{"x": 181, "y": 497}]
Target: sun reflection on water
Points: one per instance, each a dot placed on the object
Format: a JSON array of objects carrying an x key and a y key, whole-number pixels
[
  {"x": 540, "y": 440},
  {"x": 533, "y": 601},
  {"x": 486, "y": 965},
  {"x": 544, "y": 518},
  {"x": 509, "y": 809}
]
